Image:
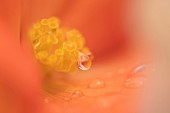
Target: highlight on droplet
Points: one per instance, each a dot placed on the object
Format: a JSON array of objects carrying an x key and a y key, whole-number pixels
[
  {"x": 135, "y": 82},
  {"x": 77, "y": 94},
  {"x": 95, "y": 84},
  {"x": 59, "y": 49}
]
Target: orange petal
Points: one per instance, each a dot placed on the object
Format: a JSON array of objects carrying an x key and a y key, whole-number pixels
[
  {"x": 10, "y": 16},
  {"x": 18, "y": 76}
]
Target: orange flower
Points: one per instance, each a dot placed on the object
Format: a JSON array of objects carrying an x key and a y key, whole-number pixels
[{"x": 20, "y": 78}]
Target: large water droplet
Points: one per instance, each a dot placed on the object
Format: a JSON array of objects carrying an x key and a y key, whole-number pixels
[
  {"x": 96, "y": 84},
  {"x": 84, "y": 62},
  {"x": 77, "y": 93},
  {"x": 135, "y": 82}
]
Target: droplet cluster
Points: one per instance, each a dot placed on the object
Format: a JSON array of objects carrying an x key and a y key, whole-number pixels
[
  {"x": 57, "y": 48},
  {"x": 77, "y": 93},
  {"x": 135, "y": 82}
]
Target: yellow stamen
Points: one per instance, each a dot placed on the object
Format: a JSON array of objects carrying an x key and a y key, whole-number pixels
[{"x": 57, "y": 48}]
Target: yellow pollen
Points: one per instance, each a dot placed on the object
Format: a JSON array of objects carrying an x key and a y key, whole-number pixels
[{"x": 57, "y": 48}]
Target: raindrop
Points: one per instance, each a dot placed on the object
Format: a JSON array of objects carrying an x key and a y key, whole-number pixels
[
  {"x": 77, "y": 93},
  {"x": 139, "y": 68},
  {"x": 67, "y": 98},
  {"x": 96, "y": 84},
  {"x": 135, "y": 82},
  {"x": 84, "y": 62},
  {"x": 37, "y": 45}
]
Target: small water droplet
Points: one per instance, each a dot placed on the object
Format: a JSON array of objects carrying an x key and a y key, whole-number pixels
[
  {"x": 37, "y": 45},
  {"x": 96, "y": 84},
  {"x": 84, "y": 62},
  {"x": 77, "y": 93},
  {"x": 139, "y": 68},
  {"x": 135, "y": 82},
  {"x": 67, "y": 98}
]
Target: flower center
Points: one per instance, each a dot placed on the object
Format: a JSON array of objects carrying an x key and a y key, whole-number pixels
[{"x": 57, "y": 48}]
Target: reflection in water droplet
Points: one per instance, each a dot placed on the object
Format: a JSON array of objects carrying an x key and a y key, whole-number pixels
[
  {"x": 135, "y": 82},
  {"x": 77, "y": 93},
  {"x": 96, "y": 84},
  {"x": 84, "y": 62}
]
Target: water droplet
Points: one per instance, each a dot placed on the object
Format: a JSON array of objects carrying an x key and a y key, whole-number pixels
[
  {"x": 37, "y": 45},
  {"x": 77, "y": 93},
  {"x": 139, "y": 68},
  {"x": 96, "y": 84},
  {"x": 84, "y": 62},
  {"x": 135, "y": 82},
  {"x": 67, "y": 98}
]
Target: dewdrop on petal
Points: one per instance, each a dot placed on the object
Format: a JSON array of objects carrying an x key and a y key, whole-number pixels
[
  {"x": 57, "y": 48},
  {"x": 84, "y": 62}
]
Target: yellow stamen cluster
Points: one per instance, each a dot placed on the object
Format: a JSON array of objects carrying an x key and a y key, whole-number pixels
[{"x": 57, "y": 48}]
